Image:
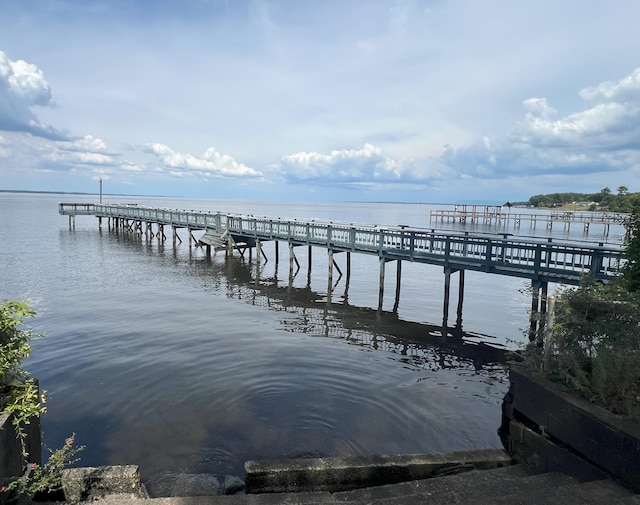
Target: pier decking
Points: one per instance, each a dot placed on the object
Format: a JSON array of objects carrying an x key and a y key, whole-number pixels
[
  {"x": 541, "y": 260},
  {"x": 494, "y": 215}
]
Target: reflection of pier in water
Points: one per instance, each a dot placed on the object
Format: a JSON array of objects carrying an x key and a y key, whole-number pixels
[{"x": 418, "y": 344}]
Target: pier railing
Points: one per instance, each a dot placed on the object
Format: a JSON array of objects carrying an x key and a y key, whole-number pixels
[
  {"x": 494, "y": 216},
  {"x": 543, "y": 259}
]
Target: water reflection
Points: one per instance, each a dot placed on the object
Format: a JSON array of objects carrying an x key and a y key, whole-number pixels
[
  {"x": 317, "y": 313},
  {"x": 214, "y": 361},
  {"x": 417, "y": 344}
]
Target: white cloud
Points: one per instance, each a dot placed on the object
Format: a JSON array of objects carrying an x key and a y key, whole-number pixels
[
  {"x": 84, "y": 151},
  {"x": 603, "y": 137},
  {"x": 538, "y": 107},
  {"x": 365, "y": 169},
  {"x": 211, "y": 163},
  {"x": 627, "y": 89},
  {"x": 344, "y": 164},
  {"x": 22, "y": 87},
  {"x": 87, "y": 143}
]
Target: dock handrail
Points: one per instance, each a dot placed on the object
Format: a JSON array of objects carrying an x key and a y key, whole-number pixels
[{"x": 543, "y": 259}]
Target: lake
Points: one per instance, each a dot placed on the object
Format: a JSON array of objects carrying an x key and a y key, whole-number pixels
[{"x": 179, "y": 363}]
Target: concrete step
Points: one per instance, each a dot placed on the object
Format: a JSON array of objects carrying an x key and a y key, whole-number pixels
[
  {"x": 511, "y": 485},
  {"x": 469, "y": 488}
]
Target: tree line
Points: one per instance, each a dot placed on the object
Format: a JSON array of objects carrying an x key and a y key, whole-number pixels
[{"x": 605, "y": 199}]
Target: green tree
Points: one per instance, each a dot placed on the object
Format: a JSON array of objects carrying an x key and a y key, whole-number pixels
[
  {"x": 631, "y": 269},
  {"x": 623, "y": 190}
]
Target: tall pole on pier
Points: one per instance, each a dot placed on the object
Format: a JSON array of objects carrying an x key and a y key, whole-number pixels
[{"x": 100, "y": 190}]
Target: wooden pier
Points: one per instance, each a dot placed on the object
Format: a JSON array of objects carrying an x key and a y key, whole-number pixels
[
  {"x": 541, "y": 260},
  {"x": 494, "y": 215}
]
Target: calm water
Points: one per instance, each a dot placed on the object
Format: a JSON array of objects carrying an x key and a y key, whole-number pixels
[{"x": 175, "y": 362}]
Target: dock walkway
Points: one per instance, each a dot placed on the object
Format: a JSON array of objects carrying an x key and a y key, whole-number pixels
[
  {"x": 541, "y": 260},
  {"x": 494, "y": 215}
]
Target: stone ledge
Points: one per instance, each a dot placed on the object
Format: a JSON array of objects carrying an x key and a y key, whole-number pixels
[
  {"x": 90, "y": 483},
  {"x": 344, "y": 474}
]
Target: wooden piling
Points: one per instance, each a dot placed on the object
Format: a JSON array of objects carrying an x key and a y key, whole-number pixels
[
  {"x": 381, "y": 289},
  {"x": 396, "y": 302},
  {"x": 330, "y": 280},
  {"x": 447, "y": 292},
  {"x": 535, "y": 309},
  {"x": 460, "y": 298}
]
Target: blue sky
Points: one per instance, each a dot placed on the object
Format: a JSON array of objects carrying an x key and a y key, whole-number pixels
[{"x": 333, "y": 100}]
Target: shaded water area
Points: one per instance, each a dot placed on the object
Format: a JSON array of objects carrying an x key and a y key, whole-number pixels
[{"x": 176, "y": 362}]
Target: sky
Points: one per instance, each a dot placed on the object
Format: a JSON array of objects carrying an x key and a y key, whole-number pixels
[{"x": 431, "y": 101}]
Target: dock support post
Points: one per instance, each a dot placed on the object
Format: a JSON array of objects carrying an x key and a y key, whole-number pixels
[
  {"x": 445, "y": 304},
  {"x": 292, "y": 258},
  {"x": 309, "y": 251},
  {"x": 330, "y": 280},
  {"x": 381, "y": 289},
  {"x": 346, "y": 284},
  {"x": 398, "y": 277},
  {"x": 258, "y": 251},
  {"x": 460, "y": 300},
  {"x": 99, "y": 223},
  {"x": 535, "y": 309},
  {"x": 277, "y": 252}
]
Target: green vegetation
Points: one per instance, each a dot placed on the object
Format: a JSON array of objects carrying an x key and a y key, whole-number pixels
[
  {"x": 21, "y": 399},
  {"x": 19, "y": 394},
  {"x": 593, "y": 344},
  {"x": 605, "y": 199}
]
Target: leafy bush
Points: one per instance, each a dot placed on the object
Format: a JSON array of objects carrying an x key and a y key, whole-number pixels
[
  {"x": 593, "y": 343},
  {"x": 19, "y": 394},
  {"x": 595, "y": 346},
  {"x": 20, "y": 397}
]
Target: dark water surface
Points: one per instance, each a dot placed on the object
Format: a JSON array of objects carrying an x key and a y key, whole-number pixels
[{"x": 175, "y": 362}]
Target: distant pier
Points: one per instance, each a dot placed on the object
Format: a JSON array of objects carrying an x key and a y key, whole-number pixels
[
  {"x": 494, "y": 215},
  {"x": 541, "y": 260}
]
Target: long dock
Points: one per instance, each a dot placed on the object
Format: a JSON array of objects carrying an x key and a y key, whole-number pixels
[
  {"x": 541, "y": 260},
  {"x": 494, "y": 215}
]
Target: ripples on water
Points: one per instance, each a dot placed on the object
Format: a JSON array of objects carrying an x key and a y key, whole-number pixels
[{"x": 179, "y": 363}]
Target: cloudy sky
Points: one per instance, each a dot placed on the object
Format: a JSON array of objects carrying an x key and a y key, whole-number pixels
[{"x": 332, "y": 100}]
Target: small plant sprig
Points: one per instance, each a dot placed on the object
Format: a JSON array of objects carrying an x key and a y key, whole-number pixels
[
  {"x": 48, "y": 477},
  {"x": 17, "y": 387}
]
